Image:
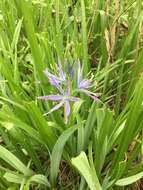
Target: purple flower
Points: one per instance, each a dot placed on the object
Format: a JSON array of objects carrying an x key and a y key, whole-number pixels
[
  {"x": 56, "y": 80},
  {"x": 62, "y": 83},
  {"x": 64, "y": 100},
  {"x": 70, "y": 70},
  {"x": 84, "y": 84},
  {"x": 62, "y": 75}
]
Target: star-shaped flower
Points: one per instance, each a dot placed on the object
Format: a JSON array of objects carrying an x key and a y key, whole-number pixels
[
  {"x": 64, "y": 100},
  {"x": 84, "y": 84},
  {"x": 56, "y": 80},
  {"x": 62, "y": 84}
]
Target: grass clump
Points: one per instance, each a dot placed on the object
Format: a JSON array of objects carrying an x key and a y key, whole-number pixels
[{"x": 86, "y": 57}]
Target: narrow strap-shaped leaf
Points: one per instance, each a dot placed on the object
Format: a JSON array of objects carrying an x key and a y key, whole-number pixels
[
  {"x": 57, "y": 153},
  {"x": 18, "y": 178},
  {"x": 90, "y": 123},
  {"x": 40, "y": 179},
  {"x": 129, "y": 180},
  {"x": 13, "y": 177},
  {"x": 82, "y": 164},
  {"x": 130, "y": 125},
  {"x": 16, "y": 35},
  {"x": 11, "y": 159},
  {"x": 84, "y": 38}
]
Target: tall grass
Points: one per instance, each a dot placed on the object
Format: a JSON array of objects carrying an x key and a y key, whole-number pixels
[{"x": 101, "y": 145}]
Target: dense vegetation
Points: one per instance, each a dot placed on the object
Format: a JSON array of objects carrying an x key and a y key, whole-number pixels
[{"x": 71, "y": 94}]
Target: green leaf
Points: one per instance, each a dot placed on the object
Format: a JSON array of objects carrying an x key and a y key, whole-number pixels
[
  {"x": 40, "y": 179},
  {"x": 11, "y": 159},
  {"x": 25, "y": 9},
  {"x": 18, "y": 178},
  {"x": 16, "y": 35},
  {"x": 13, "y": 177},
  {"x": 45, "y": 131},
  {"x": 90, "y": 123},
  {"x": 57, "y": 153},
  {"x": 12, "y": 120},
  {"x": 76, "y": 108},
  {"x": 129, "y": 180},
  {"x": 130, "y": 126},
  {"x": 82, "y": 164},
  {"x": 84, "y": 39}
]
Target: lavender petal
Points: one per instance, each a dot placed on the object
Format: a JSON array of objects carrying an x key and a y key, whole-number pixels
[
  {"x": 46, "y": 72},
  {"x": 91, "y": 94},
  {"x": 61, "y": 73},
  {"x": 85, "y": 83},
  {"x": 94, "y": 97},
  {"x": 73, "y": 99},
  {"x": 52, "y": 78},
  {"x": 56, "y": 84},
  {"x": 67, "y": 90},
  {"x": 51, "y": 97},
  {"x": 80, "y": 71},
  {"x": 67, "y": 111},
  {"x": 56, "y": 107},
  {"x": 72, "y": 71},
  {"x": 78, "y": 74}
]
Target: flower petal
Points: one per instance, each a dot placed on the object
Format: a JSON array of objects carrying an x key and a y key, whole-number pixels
[
  {"x": 79, "y": 74},
  {"x": 73, "y": 99},
  {"x": 61, "y": 73},
  {"x": 51, "y": 97},
  {"x": 56, "y": 84},
  {"x": 72, "y": 71},
  {"x": 56, "y": 107},
  {"x": 67, "y": 111},
  {"x": 67, "y": 90},
  {"x": 85, "y": 83},
  {"x": 54, "y": 80},
  {"x": 91, "y": 94},
  {"x": 93, "y": 97}
]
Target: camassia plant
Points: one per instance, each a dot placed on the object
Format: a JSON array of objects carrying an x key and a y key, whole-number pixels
[
  {"x": 71, "y": 94},
  {"x": 65, "y": 94}
]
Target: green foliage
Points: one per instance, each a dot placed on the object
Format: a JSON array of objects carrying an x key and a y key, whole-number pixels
[
  {"x": 82, "y": 164},
  {"x": 101, "y": 146}
]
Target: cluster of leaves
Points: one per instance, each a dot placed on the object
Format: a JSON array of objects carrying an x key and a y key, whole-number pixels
[{"x": 100, "y": 147}]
